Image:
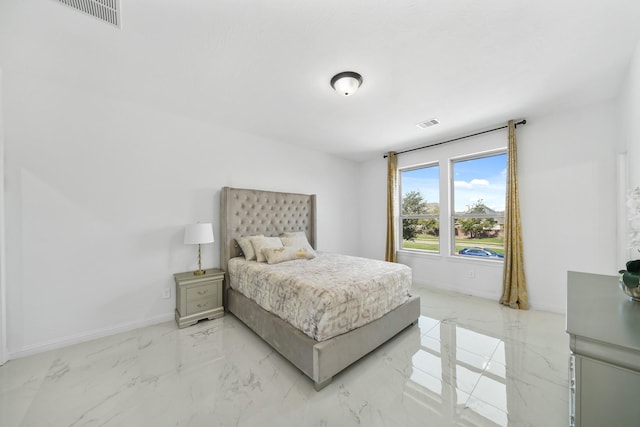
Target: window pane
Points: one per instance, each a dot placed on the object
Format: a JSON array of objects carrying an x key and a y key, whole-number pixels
[
  {"x": 420, "y": 190},
  {"x": 479, "y": 188},
  {"x": 421, "y": 234},
  {"x": 420, "y": 196},
  {"x": 480, "y": 184}
]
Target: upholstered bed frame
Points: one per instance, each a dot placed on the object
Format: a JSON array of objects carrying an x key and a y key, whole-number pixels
[{"x": 248, "y": 212}]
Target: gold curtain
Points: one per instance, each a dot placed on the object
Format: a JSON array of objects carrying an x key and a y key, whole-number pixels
[
  {"x": 392, "y": 183},
  {"x": 514, "y": 285}
]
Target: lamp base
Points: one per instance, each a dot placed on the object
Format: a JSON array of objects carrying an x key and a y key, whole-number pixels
[{"x": 199, "y": 272}]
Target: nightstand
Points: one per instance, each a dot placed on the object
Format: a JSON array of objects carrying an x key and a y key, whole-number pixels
[{"x": 198, "y": 297}]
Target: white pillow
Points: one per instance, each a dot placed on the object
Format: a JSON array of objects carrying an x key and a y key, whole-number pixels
[
  {"x": 260, "y": 243},
  {"x": 276, "y": 255},
  {"x": 247, "y": 247},
  {"x": 298, "y": 242}
]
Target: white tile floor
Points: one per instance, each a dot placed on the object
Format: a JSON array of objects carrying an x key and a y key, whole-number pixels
[{"x": 469, "y": 362}]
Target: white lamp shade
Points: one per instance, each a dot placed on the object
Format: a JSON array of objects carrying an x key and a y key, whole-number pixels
[{"x": 195, "y": 234}]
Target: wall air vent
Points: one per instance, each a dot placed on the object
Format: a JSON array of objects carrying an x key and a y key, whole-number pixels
[
  {"x": 105, "y": 10},
  {"x": 423, "y": 125}
]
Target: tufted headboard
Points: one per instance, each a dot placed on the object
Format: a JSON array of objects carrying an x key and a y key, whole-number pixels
[{"x": 245, "y": 212}]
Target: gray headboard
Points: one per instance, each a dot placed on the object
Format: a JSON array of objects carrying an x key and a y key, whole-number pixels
[{"x": 245, "y": 212}]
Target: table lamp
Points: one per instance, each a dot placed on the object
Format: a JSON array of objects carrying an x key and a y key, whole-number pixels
[{"x": 197, "y": 234}]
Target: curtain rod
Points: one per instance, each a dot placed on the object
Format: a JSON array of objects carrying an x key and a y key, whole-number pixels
[{"x": 522, "y": 122}]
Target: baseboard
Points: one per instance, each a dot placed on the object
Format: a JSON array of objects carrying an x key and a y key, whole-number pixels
[{"x": 89, "y": 336}]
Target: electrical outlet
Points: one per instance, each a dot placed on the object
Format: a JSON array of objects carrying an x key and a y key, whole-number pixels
[
  {"x": 472, "y": 274},
  {"x": 166, "y": 293}
]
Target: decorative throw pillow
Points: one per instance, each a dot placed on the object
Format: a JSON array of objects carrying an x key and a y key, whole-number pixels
[
  {"x": 260, "y": 243},
  {"x": 277, "y": 255},
  {"x": 298, "y": 242},
  {"x": 247, "y": 247}
]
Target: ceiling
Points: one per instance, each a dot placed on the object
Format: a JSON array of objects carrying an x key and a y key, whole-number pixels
[{"x": 263, "y": 67}]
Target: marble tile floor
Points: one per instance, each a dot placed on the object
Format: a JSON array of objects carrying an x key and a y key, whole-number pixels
[{"x": 469, "y": 362}]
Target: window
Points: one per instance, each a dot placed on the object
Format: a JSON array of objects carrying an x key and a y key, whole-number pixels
[
  {"x": 420, "y": 208},
  {"x": 474, "y": 206},
  {"x": 479, "y": 188}
]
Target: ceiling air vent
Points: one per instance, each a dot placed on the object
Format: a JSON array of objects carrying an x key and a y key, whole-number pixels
[
  {"x": 105, "y": 10},
  {"x": 423, "y": 125}
]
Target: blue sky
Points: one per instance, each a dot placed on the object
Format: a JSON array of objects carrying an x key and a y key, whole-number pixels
[
  {"x": 423, "y": 180},
  {"x": 480, "y": 178}
]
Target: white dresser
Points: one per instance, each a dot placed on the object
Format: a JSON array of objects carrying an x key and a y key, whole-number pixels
[{"x": 604, "y": 329}]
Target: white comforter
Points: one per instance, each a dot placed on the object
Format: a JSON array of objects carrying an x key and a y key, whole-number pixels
[{"x": 326, "y": 296}]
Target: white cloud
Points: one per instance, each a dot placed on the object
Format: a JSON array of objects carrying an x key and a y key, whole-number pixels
[
  {"x": 461, "y": 184},
  {"x": 480, "y": 182},
  {"x": 473, "y": 184}
]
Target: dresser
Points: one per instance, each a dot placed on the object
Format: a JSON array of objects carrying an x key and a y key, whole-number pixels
[
  {"x": 198, "y": 297},
  {"x": 604, "y": 329}
]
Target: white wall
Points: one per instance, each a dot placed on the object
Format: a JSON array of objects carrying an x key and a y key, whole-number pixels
[
  {"x": 629, "y": 121},
  {"x": 567, "y": 182},
  {"x": 100, "y": 183},
  {"x": 4, "y": 353},
  {"x": 568, "y": 187},
  {"x": 98, "y": 193},
  {"x": 630, "y": 102}
]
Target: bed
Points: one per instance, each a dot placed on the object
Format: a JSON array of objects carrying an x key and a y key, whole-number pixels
[{"x": 245, "y": 212}]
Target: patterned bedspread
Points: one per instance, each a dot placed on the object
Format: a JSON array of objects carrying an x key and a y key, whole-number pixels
[{"x": 326, "y": 296}]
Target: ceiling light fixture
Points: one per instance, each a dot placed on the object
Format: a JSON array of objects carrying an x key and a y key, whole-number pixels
[{"x": 346, "y": 83}]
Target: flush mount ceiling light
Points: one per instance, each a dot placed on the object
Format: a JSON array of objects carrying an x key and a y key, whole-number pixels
[{"x": 346, "y": 83}]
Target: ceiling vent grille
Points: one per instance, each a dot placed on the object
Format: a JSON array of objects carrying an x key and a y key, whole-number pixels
[
  {"x": 428, "y": 123},
  {"x": 105, "y": 10}
]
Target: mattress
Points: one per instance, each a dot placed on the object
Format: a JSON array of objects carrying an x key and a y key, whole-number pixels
[{"x": 326, "y": 296}]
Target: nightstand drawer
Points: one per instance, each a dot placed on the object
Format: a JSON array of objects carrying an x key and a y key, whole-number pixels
[
  {"x": 200, "y": 305},
  {"x": 202, "y": 292}
]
